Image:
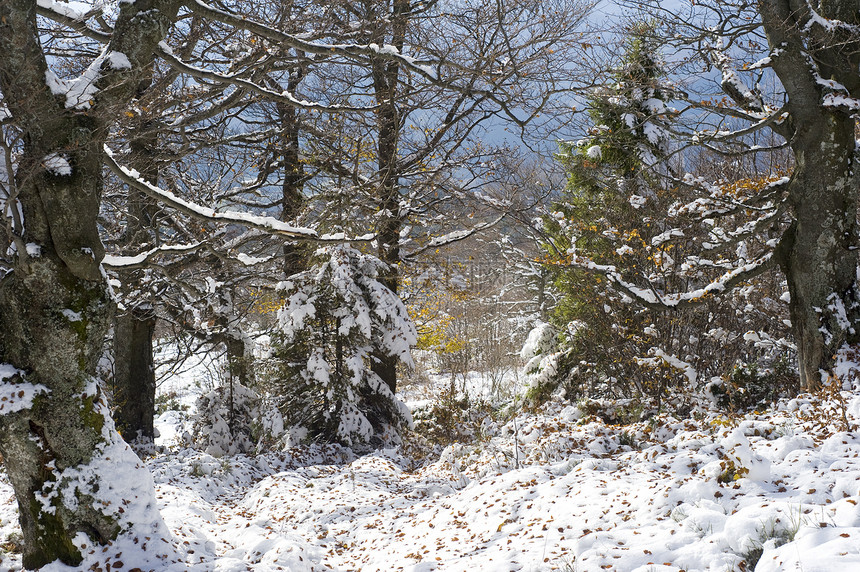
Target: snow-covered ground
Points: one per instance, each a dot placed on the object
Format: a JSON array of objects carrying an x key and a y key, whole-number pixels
[{"x": 547, "y": 491}]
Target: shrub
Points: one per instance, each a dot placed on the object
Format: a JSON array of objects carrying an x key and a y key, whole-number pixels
[
  {"x": 224, "y": 419},
  {"x": 453, "y": 418},
  {"x": 748, "y": 386}
]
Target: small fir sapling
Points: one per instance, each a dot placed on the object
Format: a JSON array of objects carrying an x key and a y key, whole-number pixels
[
  {"x": 224, "y": 424},
  {"x": 540, "y": 354},
  {"x": 336, "y": 316}
]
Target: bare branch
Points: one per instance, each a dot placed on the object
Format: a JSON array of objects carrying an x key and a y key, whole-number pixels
[{"x": 265, "y": 223}]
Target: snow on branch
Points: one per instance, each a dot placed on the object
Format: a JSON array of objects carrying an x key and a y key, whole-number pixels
[
  {"x": 770, "y": 120},
  {"x": 268, "y": 224},
  {"x": 281, "y": 38},
  {"x": 661, "y": 357},
  {"x": 719, "y": 203},
  {"x": 721, "y": 239},
  {"x": 456, "y": 236},
  {"x": 651, "y": 298},
  {"x": 81, "y": 91},
  {"x": 842, "y": 102},
  {"x": 750, "y": 100},
  {"x": 72, "y": 15},
  {"x": 115, "y": 262},
  {"x": 355, "y": 52},
  {"x": 829, "y": 25}
]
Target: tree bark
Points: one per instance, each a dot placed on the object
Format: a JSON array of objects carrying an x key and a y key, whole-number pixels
[
  {"x": 292, "y": 199},
  {"x": 53, "y": 325},
  {"x": 55, "y": 307},
  {"x": 134, "y": 368},
  {"x": 385, "y": 84},
  {"x": 239, "y": 362},
  {"x": 818, "y": 253},
  {"x": 134, "y": 373}
]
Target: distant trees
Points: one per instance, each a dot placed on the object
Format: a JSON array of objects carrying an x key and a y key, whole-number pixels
[{"x": 422, "y": 148}]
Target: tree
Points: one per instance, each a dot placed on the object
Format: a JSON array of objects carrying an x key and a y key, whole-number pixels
[
  {"x": 808, "y": 53},
  {"x": 338, "y": 315},
  {"x": 621, "y": 178},
  {"x": 57, "y": 437},
  {"x": 818, "y": 251},
  {"x": 133, "y": 381}
]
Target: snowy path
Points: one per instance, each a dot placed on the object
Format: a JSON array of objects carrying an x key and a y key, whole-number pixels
[
  {"x": 579, "y": 501},
  {"x": 545, "y": 493}
]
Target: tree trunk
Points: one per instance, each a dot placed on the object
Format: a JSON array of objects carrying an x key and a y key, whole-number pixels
[
  {"x": 385, "y": 84},
  {"x": 52, "y": 327},
  {"x": 820, "y": 255},
  {"x": 292, "y": 200},
  {"x": 818, "y": 252},
  {"x": 239, "y": 363},
  {"x": 71, "y": 472},
  {"x": 134, "y": 368},
  {"x": 134, "y": 374},
  {"x": 57, "y": 446}
]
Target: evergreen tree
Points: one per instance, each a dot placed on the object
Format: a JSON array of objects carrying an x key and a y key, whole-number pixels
[
  {"x": 336, "y": 317},
  {"x": 620, "y": 180}
]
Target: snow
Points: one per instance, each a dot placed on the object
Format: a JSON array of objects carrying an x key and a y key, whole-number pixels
[
  {"x": 828, "y": 24},
  {"x": 251, "y": 260},
  {"x": 57, "y": 164},
  {"x": 841, "y": 101},
  {"x": 450, "y": 237},
  {"x": 15, "y": 396},
  {"x": 71, "y": 315},
  {"x": 73, "y": 10},
  {"x": 666, "y": 236},
  {"x": 81, "y": 91},
  {"x": 118, "y": 61},
  {"x": 117, "y": 261},
  {"x": 637, "y": 201},
  {"x": 548, "y": 490},
  {"x": 660, "y": 357}
]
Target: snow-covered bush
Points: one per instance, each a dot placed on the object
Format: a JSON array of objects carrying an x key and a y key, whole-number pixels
[
  {"x": 335, "y": 317},
  {"x": 224, "y": 421},
  {"x": 539, "y": 352},
  {"x": 539, "y": 343},
  {"x": 454, "y": 418},
  {"x": 750, "y": 386}
]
